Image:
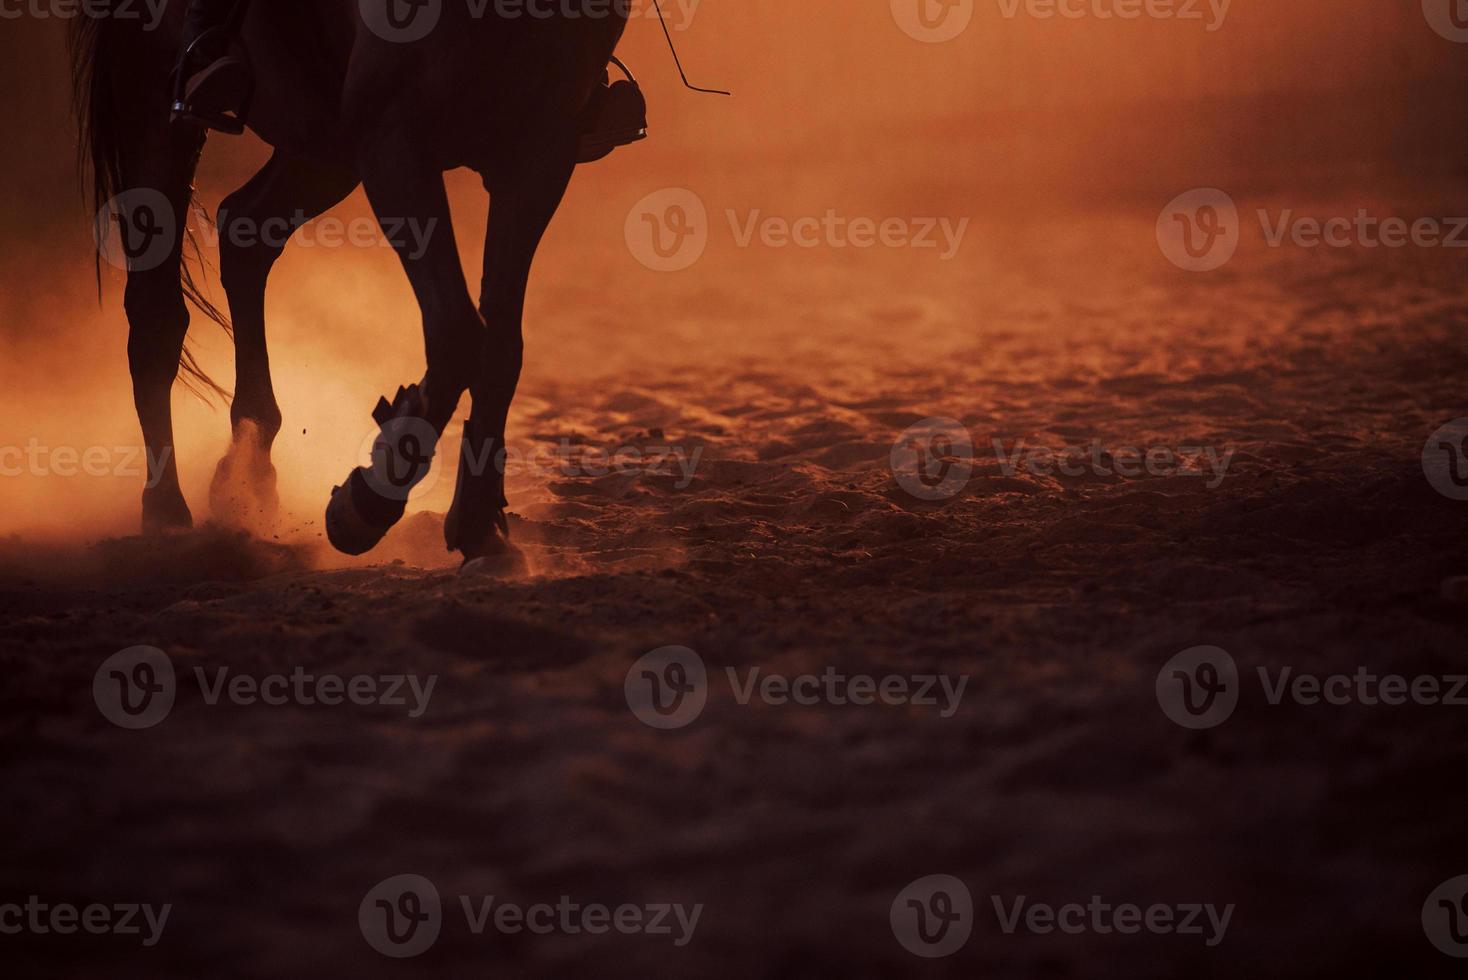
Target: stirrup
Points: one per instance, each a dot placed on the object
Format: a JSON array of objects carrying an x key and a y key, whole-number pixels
[
  {"x": 187, "y": 85},
  {"x": 615, "y": 117}
]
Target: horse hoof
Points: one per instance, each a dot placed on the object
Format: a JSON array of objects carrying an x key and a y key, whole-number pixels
[
  {"x": 364, "y": 508},
  {"x": 243, "y": 492},
  {"x": 488, "y": 538},
  {"x": 505, "y": 564},
  {"x": 165, "y": 511},
  {"x": 356, "y": 523}
]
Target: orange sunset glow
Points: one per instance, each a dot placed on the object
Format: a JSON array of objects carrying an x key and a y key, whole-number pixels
[{"x": 1093, "y": 366}]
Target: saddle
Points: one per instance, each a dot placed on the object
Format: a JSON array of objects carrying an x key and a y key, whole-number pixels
[{"x": 213, "y": 88}]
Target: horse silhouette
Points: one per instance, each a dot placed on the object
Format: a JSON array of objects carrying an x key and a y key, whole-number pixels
[{"x": 347, "y": 92}]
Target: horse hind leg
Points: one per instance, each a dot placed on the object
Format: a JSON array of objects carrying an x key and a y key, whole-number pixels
[
  {"x": 150, "y": 212},
  {"x": 255, "y": 222}
]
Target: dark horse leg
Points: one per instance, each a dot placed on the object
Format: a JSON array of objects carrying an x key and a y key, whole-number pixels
[
  {"x": 521, "y": 207},
  {"x": 156, "y": 165},
  {"x": 254, "y": 224},
  {"x": 403, "y": 189}
]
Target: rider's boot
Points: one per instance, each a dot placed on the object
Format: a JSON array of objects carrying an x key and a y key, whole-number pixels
[
  {"x": 615, "y": 116},
  {"x": 213, "y": 83}
]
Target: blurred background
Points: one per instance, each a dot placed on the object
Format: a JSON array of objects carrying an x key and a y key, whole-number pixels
[{"x": 836, "y": 106}]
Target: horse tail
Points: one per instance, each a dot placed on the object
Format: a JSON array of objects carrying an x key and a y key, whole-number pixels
[{"x": 94, "y": 50}]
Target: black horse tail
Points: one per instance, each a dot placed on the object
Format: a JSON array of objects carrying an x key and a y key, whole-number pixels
[{"x": 95, "y": 56}]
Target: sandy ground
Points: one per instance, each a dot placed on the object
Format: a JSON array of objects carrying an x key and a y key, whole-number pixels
[{"x": 793, "y": 549}]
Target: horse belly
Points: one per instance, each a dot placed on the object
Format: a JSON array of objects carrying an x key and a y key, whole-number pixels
[{"x": 479, "y": 85}]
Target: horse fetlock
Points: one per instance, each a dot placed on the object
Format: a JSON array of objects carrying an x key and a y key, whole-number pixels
[
  {"x": 164, "y": 509},
  {"x": 256, "y": 420},
  {"x": 476, "y": 524}
]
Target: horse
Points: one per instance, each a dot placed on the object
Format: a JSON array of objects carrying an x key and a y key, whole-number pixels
[{"x": 388, "y": 95}]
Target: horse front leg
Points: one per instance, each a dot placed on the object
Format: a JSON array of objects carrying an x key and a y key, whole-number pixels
[
  {"x": 405, "y": 195},
  {"x": 255, "y": 222},
  {"x": 521, "y": 208}
]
